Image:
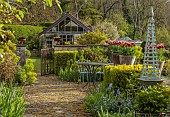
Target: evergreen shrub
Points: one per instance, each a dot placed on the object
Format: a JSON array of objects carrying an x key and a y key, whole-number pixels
[
  {"x": 153, "y": 100},
  {"x": 61, "y": 58},
  {"x": 121, "y": 76},
  {"x": 31, "y": 33}
]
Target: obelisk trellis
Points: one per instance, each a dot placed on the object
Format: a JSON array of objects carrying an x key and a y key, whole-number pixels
[{"x": 150, "y": 69}]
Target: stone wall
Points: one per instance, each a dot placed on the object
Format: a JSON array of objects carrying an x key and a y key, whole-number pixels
[
  {"x": 69, "y": 47},
  {"x": 35, "y": 53}
]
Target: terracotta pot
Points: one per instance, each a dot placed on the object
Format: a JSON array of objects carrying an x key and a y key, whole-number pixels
[
  {"x": 128, "y": 60},
  {"x": 114, "y": 57},
  {"x": 161, "y": 64},
  {"x": 58, "y": 39},
  {"x": 21, "y": 40}
]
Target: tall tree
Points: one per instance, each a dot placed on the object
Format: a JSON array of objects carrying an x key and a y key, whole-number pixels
[
  {"x": 37, "y": 13},
  {"x": 89, "y": 13},
  {"x": 106, "y": 6},
  {"x": 125, "y": 11},
  {"x": 139, "y": 12},
  {"x": 11, "y": 9}
]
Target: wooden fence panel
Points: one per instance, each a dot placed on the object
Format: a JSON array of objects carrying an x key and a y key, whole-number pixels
[{"x": 47, "y": 61}]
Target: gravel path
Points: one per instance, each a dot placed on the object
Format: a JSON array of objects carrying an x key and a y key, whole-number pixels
[{"x": 50, "y": 97}]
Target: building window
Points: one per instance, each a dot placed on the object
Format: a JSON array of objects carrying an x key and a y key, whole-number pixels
[
  {"x": 66, "y": 38},
  {"x": 49, "y": 42}
]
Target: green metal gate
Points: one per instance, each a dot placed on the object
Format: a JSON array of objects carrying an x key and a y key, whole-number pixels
[{"x": 47, "y": 61}]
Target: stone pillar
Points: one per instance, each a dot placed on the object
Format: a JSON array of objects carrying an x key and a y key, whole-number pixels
[{"x": 21, "y": 51}]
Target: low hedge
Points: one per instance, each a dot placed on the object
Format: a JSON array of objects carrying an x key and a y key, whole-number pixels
[
  {"x": 61, "y": 58},
  {"x": 121, "y": 76}
]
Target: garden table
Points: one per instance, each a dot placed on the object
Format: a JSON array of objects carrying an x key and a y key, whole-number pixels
[{"x": 91, "y": 68}]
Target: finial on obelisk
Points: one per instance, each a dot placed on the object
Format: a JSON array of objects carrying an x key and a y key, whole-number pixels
[{"x": 151, "y": 14}]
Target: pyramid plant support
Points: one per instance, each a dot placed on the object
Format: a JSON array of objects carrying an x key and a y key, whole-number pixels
[{"x": 150, "y": 70}]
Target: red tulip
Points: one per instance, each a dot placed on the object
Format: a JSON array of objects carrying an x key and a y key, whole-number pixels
[
  {"x": 159, "y": 46},
  {"x": 121, "y": 43},
  {"x": 109, "y": 42},
  {"x": 133, "y": 44},
  {"x": 119, "y": 103}
]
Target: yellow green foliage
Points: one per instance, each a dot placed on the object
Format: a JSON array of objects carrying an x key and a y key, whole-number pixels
[
  {"x": 26, "y": 74},
  {"x": 153, "y": 99},
  {"x": 6, "y": 35},
  {"x": 31, "y": 76},
  {"x": 95, "y": 37},
  {"x": 7, "y": 46},
  {"x": 138, "y": 53},
  {"x": 67, "y": 43},
  {"x": 6, "y": 38},
  {"x": 121, "y": 75},
  {"x": 8, "y": 59},
  {"x": 29, "y": 66}
]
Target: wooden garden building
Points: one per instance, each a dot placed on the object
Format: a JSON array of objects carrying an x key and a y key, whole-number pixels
[{"x": 63, "y": 31}]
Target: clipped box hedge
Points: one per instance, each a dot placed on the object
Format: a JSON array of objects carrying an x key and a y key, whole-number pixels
[
  {"x": 121, "y": 76},
  {"x": 61, "y": 58}
]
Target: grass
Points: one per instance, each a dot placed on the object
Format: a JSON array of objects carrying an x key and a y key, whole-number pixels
[{"x": 37, "y": 64}]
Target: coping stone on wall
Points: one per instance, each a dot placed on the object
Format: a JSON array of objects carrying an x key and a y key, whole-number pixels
[
  {"x": 69, "y": 47},
  {"x": 75, "y": 47}
]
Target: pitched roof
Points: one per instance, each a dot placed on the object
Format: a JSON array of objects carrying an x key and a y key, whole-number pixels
[{"x": 67, "y": 15}]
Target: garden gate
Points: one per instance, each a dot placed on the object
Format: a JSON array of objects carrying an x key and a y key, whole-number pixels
[{"x": 47, "y": 61}]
